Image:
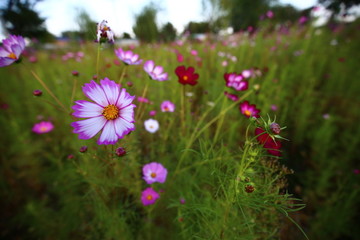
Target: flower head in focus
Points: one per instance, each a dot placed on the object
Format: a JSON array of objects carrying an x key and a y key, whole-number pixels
[
  {"x": 128, "y": 57},
  {"x": 149, "y": 196},
  {"x": 249, "y": 110},
  {"x": 155, "y": 72},
  {"x": 104, "y": 33},
  {"x": 11, "y": 49},
  {"x": 167, "y": 106},
  {"x": 112, "y": 112},
  {"x": 42, "y": 127},
  {"x": 154, "y": 172},
  {"x": 187, "y": 75},
  {"x": 270, "y": 144},
  {"x": 151, "y": 125}
]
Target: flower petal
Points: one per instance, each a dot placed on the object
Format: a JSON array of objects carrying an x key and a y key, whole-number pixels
[
  {"x": 108, "y": 135},
  {"x": 123, "y": 127},
  {"x": 88, "y": 128},
  {"x": 111, "y": 90},
  {"x": 124, "y": 99},
  {"x": 127, "y": 113},
  {"x": 149, "y": 66},
  {"x": 96, "y": 93},
  {"x": 85, "y": 109}
]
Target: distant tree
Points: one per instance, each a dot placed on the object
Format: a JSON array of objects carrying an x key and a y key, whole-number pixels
[
  {"x": 285, "y": 13},
  {"x": 145, "y": 27},
  {"x": 244, "y": 13},
  {"x": 126, "y": 35},
  {"x": 19, "y": 17},
  {"x": 336, "y": 6},
  {"x": 87, "y": 27},
  {"x": 74, "y": 35},
  {"x": 168, "y": 32},
  {"x": 198, "y": 27}
]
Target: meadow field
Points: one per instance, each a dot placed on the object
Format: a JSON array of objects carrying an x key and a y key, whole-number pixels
[{"x": 209, "y": 165}]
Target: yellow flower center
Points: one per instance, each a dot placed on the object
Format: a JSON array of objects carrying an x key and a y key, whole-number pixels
[
  {"x": 111, "y": 112},
  {"x": 153, "y": 175},
  {"x": 247, "y": 113},
  {"x": 12, "y": 55},
  {"x": 185, "y": 78},
  {"x": 166, "y": 109},
  {"x": 149, "y": 197},
  {"x": 43, "y": 129}
]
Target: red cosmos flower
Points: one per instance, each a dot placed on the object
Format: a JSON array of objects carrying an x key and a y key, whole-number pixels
[
  {"x": 186, "y": 76},
  {"x": 249, "y": 110},
  {"x": 272, "y": 146}
]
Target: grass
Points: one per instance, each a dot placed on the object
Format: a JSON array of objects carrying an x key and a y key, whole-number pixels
[{"x": 211, "y": 153}]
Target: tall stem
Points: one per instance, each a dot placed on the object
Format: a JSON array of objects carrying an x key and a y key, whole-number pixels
[
  {"x": 48, "y": 90},
  {"x": 98, "y": 60}
]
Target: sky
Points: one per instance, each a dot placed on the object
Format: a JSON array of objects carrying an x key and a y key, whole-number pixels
[{"x": 61, "y": 15}]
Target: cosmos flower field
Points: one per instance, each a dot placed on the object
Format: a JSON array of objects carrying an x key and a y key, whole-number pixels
[{"x": 248, "y": 136}]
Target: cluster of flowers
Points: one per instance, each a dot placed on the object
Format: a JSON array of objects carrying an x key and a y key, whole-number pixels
[{"x": 152, "y": 172}]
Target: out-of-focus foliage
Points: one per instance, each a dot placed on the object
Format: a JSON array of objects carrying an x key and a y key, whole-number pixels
[
  {"x": 19, "y": 17},
  {"x": 198, "y": 27},
  {"x": 145, "y": 27},
  {"x": 86, "y": 25},
  {"x": 168, "y": 33}
]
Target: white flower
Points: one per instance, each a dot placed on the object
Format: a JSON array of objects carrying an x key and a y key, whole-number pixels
[{"x": 151, "y": 125}]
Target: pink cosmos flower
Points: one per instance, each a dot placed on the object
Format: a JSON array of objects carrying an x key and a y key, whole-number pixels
[
  {"x": 246, "y": 73},
  {"x": 149, "y": 196},
  {"x": 236, "y": 81},
  {"x": 42, "y": 127},
  {"x": 179, "y": 57},
  {"x": 167, "y": 106},
  {"x": 154, "y": 172},
  {"x": 249, "y": 110},
  {"x": 128, "y": 57},
  {"x": 270, "y": 14},
  {"x": 112, "y": 112},
  {"x": 11, "y": 49},
  {"x": 104, "y": 32},
  {"x": 155, "y": 72}
]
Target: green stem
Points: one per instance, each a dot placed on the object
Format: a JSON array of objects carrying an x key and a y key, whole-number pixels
[
  {"x": 122, "y": 75},
  {"x": 73, "y": 93},
  {"x": 97, "y": 61},
  {"x": 48, "y": 90}
]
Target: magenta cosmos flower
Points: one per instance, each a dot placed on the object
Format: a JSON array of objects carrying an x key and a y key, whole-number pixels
[
  {"x": 155, "y": 72},
  {"x": 154, "y": 172},
  {"x": 236, "y": 81},
  {"x": 167, "y": 106},
  {"x": 149, "y": 196},
  {"x": 249, "y": 110},
  {"x": 42, "y": 127},
  {"x": 112, "y": 112},
  {"x": 128, "y": 57},
  {"x": 11, "y": 49}
]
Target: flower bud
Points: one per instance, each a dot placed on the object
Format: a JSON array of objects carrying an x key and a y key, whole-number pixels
[
  {"x": 120, "y": 152},
  {"x": 75, "y": 73},
  {"x": 249, "y": 188},
  {"x": 83, "y": 149},
  {"x": 275, "y": 128},
  {"x": 37, "y": 93}
]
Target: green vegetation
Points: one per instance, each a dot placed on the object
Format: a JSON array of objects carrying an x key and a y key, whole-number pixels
[{"x": 210, "y": 151}]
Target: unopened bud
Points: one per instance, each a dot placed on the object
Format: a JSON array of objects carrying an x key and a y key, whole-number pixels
[
  {"x": 249, "y": 188},
  {"x": 75, "y": 73},
  {"x": 275, "y": 128},
  {"x": 83, "y": 149},
  {"x": 37, "y": 93},
  {"x": 120, "y": 152}
]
